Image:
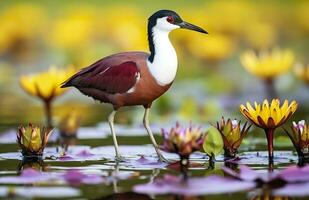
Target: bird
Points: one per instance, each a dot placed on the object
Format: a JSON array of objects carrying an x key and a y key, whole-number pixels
[{"x": 135, "y": 78}]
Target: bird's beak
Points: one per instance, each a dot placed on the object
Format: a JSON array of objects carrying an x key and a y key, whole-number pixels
[{"x": 192, "y": 27}]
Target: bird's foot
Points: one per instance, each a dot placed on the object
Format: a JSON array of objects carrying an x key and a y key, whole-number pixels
[
  {"x": 162, "y": 159},
  {"x": 119, "y": 159}
]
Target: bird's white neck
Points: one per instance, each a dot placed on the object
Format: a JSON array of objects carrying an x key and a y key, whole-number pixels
[{"x": 163, "y": 61}]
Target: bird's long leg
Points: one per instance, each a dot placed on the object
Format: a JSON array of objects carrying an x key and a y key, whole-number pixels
[
  {"x": 111, "y": 118},
  {"x": 153, "y": 140}
]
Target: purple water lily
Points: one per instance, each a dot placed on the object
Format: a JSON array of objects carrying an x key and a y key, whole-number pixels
[
  {"x": 28, "y": 176},
  {"x": 299, "y": 136},
  {"x": 183, "y": 141}
]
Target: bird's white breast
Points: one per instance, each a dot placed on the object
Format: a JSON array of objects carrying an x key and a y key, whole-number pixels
[{"x": 164, "y": 65}]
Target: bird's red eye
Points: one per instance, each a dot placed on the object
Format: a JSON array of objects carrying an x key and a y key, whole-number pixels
[{"x": 170, "y": 19}]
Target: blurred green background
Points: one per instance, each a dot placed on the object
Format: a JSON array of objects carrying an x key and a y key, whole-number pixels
[{"x": 210, "y": 82}]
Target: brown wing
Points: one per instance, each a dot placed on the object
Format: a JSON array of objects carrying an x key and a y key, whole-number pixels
[{"x": 113, "y": 74}]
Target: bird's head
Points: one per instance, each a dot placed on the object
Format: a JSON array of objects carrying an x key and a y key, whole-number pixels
[{"x": 168, "y": 20}]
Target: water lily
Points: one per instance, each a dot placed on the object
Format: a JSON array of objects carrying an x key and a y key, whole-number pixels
[
  {"x": 267, "y": 65},
  {"x": 183, "y": 141},
  {"x": 299, "y": 136},
  {"x": 302, "y": 72},
  {"x": 32, "y": 140},
  {"x": 269, "y": 116},
  {"x": 45, "y": 86},
  {"x": 232, "y": 135}
]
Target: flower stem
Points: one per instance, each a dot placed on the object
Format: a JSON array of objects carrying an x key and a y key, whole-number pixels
[
  {"x": 48, "y": 113},
  {"x": 270, "y": 89},
  {"x": 270, "y": 137},
  {"x": 184, "y": 165}
]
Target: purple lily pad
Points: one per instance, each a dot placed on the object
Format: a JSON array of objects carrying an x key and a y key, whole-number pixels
[
  {"x": 133, "y": 151},
  {"x": 295, "y": 190},
  {"x": 83, "y": 155},
  {"x": 76, "y": 177},
  {"x": 43, "y": 192},
  {"x": 290, "y": 174},
  {"x": 194, "y": 186},
  {"x": 143, "y": 163},
  {"x": 247, "y": 174},
  {"x": 295, "y": 174},
  {"x": 28, "y": 176}
]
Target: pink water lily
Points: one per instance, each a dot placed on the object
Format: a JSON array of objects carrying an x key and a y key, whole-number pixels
[
  {"x": 299, "y": 136},
  {"x": 182, "y": 141}
]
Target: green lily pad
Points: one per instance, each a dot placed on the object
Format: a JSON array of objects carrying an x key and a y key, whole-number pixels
[{"x": 213, "y": 143}]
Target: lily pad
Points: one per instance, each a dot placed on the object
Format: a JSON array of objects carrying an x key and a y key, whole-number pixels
[
  {"x": 43, "y": 192},
  {"x": 193, "y": 186}
]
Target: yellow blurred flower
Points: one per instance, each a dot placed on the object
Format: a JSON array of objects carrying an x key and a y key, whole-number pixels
[
  {"x": 260, "y": 35},
  {"x": 229, "y": 17},
  {"x": 269, "y": 115},
  {"x": 267, "y": 64},
  {"x": 214, "y": 48},
  {"x": 302, "y": 15},
  {"x": 32, "y": 140},
  {"x": 125, "y": 28},
  {"x": 46, "y": 85},
  {"x": 76, "y": 28},
  {"x": 302, "y": 72},
  {"x": 20, "y": 23}
]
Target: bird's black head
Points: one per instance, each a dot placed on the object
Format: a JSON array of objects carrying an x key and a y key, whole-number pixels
[{"x": 168, "y": 20}]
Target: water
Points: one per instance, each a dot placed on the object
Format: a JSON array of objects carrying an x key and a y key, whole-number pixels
[{"x": 96, "y": 158}]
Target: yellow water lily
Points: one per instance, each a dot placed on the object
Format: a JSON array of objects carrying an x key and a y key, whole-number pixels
[
  {"x": 232, "y": 135},
  {"x": 32, "y": 140},
  {"x": 302, "y": 72},
  {"x": 46, "y": 86},
  {"x": 267, "y": 64},
  {"x": 269, "y": 116}
]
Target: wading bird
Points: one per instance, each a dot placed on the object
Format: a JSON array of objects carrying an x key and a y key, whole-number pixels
[{"x": 135, "y": 78}]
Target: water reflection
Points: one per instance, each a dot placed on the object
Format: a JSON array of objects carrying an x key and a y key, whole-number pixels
[
  {"x": 36, "y": 163},
  {"x": 266, "y": 195},
  {"x": 125, "y": 196}
]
